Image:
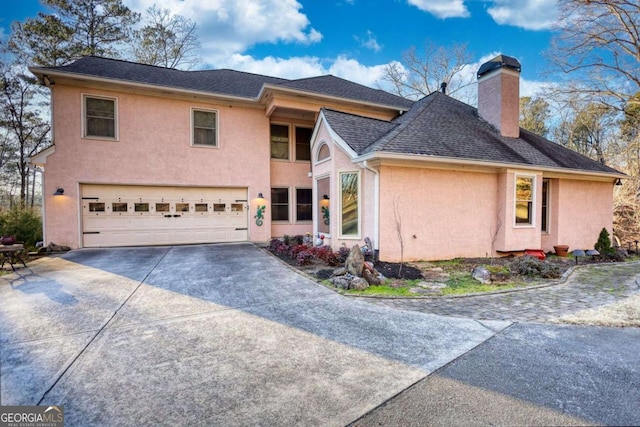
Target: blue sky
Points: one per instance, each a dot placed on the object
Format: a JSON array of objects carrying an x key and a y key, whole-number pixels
[{"x": 352, "y": 39}]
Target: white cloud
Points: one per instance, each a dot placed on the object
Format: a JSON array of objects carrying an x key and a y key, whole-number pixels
[
  {"x": 230, "y": 26},
  {"x": 310, "y": 66},
  {"x": 370, "y": 42},
  {"x": 351, "y": 69},
  {"x": 527, "y": 14},
  {"x": 292, "y": 68},
  {"x": 442, "y": 8}
]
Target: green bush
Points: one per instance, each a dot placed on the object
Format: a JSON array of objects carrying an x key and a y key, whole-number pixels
[
  {"x": 603, "y": 245},
  {"x": 23, "y": 223}
]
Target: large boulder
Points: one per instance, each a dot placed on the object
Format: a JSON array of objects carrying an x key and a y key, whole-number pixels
[
  {"x": 355, "y": 261},
  {"x": 358, "y": 284},
  {"x": 481, "y": 274},
  {"x": 371, "y": 277}
]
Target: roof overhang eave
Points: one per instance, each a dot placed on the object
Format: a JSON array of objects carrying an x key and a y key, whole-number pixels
[
  {"x": 288, "y": 90},
  {"x": 41, "y": 72},
  {"x": 453, "y": 161}
]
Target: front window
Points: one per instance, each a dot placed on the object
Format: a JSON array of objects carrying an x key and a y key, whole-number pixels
[
  {"x": 280, "y": 204},
  {"x": 205, "y": 128},
  {"x": 349, "y": 187},
  {"x": 545, "y": 206},
  {"x": 524, "y": 200},
  {"x": 303, "y": 204},
  {"x": 100, "y": 117},
  {"x": 303, "y": 143},
  {"x": 280, "y": 142}
]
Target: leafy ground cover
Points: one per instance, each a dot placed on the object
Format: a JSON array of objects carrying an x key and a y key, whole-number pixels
[{"x": 448, "y": 277}]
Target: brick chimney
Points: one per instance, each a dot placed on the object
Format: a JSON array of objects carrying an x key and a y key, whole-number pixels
[{"x": 499, "y": 94}]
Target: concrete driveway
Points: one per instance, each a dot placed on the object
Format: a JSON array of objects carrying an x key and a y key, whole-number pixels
[{"x": 208, "y": 335}]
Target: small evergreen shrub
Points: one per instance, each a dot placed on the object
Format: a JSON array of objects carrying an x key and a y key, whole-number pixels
[{"x": 603, "y": 245}]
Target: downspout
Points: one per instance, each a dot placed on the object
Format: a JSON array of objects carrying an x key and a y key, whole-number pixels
[{"x": 376, "y": 205}]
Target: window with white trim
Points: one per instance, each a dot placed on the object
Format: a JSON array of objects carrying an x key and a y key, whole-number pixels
[
  {"x": 544, "y": 221},
  {"x": 303, "y": 204},
  {"x": 279, "y": 142},
  {"x": 524, "y": 197},
  {"x": 205, "y": 128},
  {"x": 280, "y": 204},
  {"x": 349, "y": 204},
  {"x": 303, "y": 143},
  {"x": 99, "y": 117},
  {"x": 323, "y": 153}
]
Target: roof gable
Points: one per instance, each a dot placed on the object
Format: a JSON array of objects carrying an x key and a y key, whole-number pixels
[{"x": 441, "y": 126}]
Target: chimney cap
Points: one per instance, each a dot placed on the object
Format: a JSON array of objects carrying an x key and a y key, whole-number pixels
[{"x": 500, "y": 61}]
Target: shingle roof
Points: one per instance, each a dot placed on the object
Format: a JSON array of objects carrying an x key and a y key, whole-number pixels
[
  {"x": 440, "y": 126},
  {"x": 335, "y": 86},
  {"x": 225, "y": 82}
]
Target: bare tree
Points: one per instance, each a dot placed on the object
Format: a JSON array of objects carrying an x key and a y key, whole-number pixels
[
  {"x": 598, "y": 45},
  {"x": 422, "y": 72},
  {"x": 167, "y": 40},
  {"x": 27, "y": 132}
]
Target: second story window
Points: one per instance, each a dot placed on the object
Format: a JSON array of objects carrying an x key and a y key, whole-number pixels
[
  {"x": 303, "y": 143},
  {"x": 205, "y": 129},
  {"x": 280, "y": 142},
  {"x": 99, "y": 117}
]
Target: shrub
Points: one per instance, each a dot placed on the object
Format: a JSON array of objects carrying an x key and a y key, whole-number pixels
[
  {"x": 297, "y": 240},
  {"x": 343, "y": 254},
  {"x": 532, "y": 267},
  {"x": 603, "y": 245},
  {"x": 23, "y": 223},
  {"x": 274, "y": 244},
  {"x": 295, "y": 250},
  {"x": 305, "y": 257}
]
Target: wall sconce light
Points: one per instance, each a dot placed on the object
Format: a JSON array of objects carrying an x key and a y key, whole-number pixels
[
  {"x": 618, "y": 181},
  {"x": 325, "y": 197},
  {"x": 259, "y": 216},
  {"x": 59, "y": 192}
]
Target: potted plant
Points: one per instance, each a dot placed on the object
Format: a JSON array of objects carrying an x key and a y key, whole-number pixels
[{"x": 561, "y": 250}]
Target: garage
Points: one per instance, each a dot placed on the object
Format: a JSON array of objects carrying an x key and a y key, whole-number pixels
[{"x": 124, "y": 215}]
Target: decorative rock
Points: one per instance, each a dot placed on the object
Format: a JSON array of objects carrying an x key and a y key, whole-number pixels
[
  {"x": 481, "y": 274},
  {"x": 355, "y": 261},
  {"x": 341, "y": 282},
  {"x": 368, "y": 265},
  {"x": 371, "y": 277},
  {"x": 52, "y": 247},
  {"x": 340, "y": 271},
  {"x": 359, "y": 284}
]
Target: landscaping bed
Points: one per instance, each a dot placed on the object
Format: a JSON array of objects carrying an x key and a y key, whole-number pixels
[{"x": 424, "y": 278}]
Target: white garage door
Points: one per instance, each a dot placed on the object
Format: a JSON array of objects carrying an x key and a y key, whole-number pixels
[{"x": 118, "y": 215}]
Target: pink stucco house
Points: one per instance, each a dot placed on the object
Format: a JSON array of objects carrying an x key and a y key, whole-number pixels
[{"x": 145, "y": 155}]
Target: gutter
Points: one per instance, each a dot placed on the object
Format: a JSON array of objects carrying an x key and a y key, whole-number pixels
[
  {"x": 381, "y": 155},
  {"x": 330, "y": 97},
  {"x": 376, "y": 204},
  {"x": 48, "y": 73}
]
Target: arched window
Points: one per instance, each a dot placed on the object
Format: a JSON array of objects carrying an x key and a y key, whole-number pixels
[{"x": 323, "y": 153}]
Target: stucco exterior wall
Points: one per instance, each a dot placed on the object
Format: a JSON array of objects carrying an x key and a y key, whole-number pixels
[
  {"x": 583, "y": 209},
  {"x": 153, "y": 148},
  {"x": 442, "y": 213}
]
